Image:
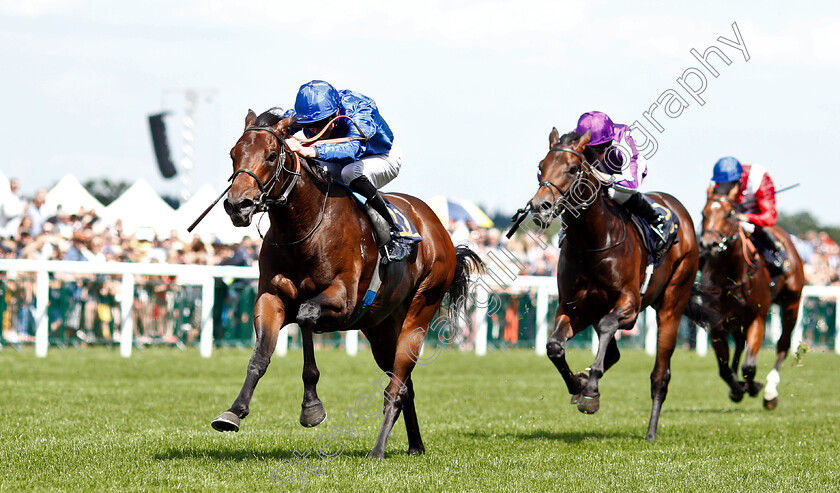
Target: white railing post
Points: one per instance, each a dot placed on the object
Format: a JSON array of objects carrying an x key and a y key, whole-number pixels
[
  {"x": 837, "y": 324},
  {"x": 127, "y": 315},
  {"x": 205, "y": 342},
  {"x": 42, "y": 319},
  {"x": 701, "y": 341},
  {"x": 282, "y": 346},
  {"x": 651, "y": 331},
  {"x": 351, "y": 342},
  {"x": 595, "y": 341},
  {"x": 542, "y": 320},
  {"x": 796, "y": 338},
  {"x": 480, "y": 316}
]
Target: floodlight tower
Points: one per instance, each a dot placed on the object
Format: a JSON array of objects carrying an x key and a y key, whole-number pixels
[{"x": 188, "y": 149}]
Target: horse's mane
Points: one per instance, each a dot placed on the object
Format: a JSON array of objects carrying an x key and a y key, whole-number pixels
[
  {"x": 569, "y": 138},
  {"x": 270, "y": 117}
]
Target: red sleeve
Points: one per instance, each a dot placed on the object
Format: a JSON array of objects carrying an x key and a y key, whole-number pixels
[{"x": 766, "y": 201}]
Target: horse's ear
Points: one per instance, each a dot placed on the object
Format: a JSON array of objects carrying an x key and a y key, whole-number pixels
[
  {"x": 250, "y": 118},
  {"x": 583, "y": 141},
  {"x": 283, "y": 125},
  {"x": 710, "y": 191},
  {"x": 734, "y": 191},
  {"x": 553, "y": 137}
]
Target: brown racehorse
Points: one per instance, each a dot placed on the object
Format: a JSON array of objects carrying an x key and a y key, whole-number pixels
[
  {"x": 602, "y": 268},
  {"x": 316, "y": 263},
  {"x": 741, "y": 293}
]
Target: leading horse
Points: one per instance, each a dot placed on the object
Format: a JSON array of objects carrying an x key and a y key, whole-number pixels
[
  {"x": 602, "y": 268},
  {"x": 316, "y": 264},
  {"x": 739, "y": 289}
]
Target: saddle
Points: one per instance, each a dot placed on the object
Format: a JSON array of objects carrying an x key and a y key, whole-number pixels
[
  {"x": 381, "y": 231},
  {"x": 655, "y": 247}
]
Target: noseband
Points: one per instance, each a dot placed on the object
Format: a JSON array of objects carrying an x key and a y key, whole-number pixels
[
  {"x": 265, "y": 199},
  {"x": 725, "y": 240}
]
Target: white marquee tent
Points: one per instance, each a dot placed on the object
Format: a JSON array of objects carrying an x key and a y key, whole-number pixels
[
  {"x": 141, "y": 206},
  {"x": 71, "y": 196}
]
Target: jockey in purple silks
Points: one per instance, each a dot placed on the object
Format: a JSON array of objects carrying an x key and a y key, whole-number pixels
[{"x": 614, "y": 152}]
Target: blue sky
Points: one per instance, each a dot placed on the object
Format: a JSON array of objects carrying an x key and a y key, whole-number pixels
[{"x": 471, "y": 89}]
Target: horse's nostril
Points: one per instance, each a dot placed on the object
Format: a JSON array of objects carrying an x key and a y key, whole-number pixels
[
  {"x": 246, "y": 204},
  {"x": 228, "y": 206}
]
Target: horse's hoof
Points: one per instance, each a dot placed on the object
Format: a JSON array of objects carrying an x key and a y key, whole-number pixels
[
  {"x": 313, "y": 415},
  {"x": 736, "y": 396},
  {"x": 417, "y": 451},
  {"x": 651, "y": 437},
  {"x": 755, "y": 388},
  {"x": 227, "y": 421},
  {"x": 575, "y": 399},
  {"x": 771, "y": 403},
  {"x": 374, "y": 455},
  {"x": 589, "y": 405}
]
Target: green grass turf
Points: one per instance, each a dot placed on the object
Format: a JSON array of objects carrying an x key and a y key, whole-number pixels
[{"x": 90, "y": 420}]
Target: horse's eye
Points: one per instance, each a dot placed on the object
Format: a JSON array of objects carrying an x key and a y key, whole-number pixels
[
  {"x": 272, "y": 157},
  {"x": 574, "y": 169}
]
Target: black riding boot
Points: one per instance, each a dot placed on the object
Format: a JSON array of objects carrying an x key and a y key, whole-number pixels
[
  {"x": 772, "y": 254},
  {"x": 642, "y": 206},
  {"x": 395, "y": 249}
]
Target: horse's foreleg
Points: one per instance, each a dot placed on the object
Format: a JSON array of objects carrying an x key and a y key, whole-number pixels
[
  {"x": 623, "y": 315},
  {"x": 790, "y": 312},
  {"x": 720, "y": 343},
  {"x": 556, "y": 351},
  {"x": 755, "y": 335},
  {"x": 330, "y": 305},
  {"x": 269, "y": 316},
  {"x": 312, "y": 412}
]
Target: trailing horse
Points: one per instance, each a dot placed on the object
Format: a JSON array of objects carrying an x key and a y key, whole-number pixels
[
  {"x": 603, "y": 275},
  {"x": 318, "y": 266},
  {"x": 739, "y": 288}
]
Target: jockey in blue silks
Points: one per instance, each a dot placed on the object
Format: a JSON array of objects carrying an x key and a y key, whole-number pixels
[
  {"x": 615, "y": 153},
  {"x": 366, "y": 163}
]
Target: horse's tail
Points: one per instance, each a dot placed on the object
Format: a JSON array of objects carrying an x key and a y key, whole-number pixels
[
  {"x": 466, "y": 262},
  {"x": 699, "y": 310}
]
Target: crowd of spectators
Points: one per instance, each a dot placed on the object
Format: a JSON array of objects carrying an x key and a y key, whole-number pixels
[{"x": 29, "y": 231}]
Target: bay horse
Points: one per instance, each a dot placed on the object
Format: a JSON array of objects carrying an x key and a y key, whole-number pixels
[
  {"x": 739, "y": 288},
  {"x": 602, "y": 268},
  {"x": 316, "y": 263}
]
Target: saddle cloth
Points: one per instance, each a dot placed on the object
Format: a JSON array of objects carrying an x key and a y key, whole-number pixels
[{"x": 656, "y": 249}]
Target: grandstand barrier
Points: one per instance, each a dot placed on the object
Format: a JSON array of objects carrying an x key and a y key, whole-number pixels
[{"x": 521, "y": 315}]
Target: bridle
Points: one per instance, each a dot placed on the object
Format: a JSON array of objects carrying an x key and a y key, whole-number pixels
[
  {"x": 265, "y": 200},
  {"x": 727, "y": 240},
  {"x": 561, "y": 200}
]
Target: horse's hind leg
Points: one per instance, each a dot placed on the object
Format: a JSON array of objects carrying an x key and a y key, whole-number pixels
[
  {"x": 790, "y": 313},
  {"x": 399, "y": 395},
  {"x": 269, "y": 315},
  {"x": 755, "y": 335},
  {"x": 412, "y": 428}
]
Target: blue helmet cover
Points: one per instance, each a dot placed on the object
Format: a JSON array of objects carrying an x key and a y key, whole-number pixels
[
  {"x": 315, "y": 101},
  {"x": 727, "y": 169}
]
